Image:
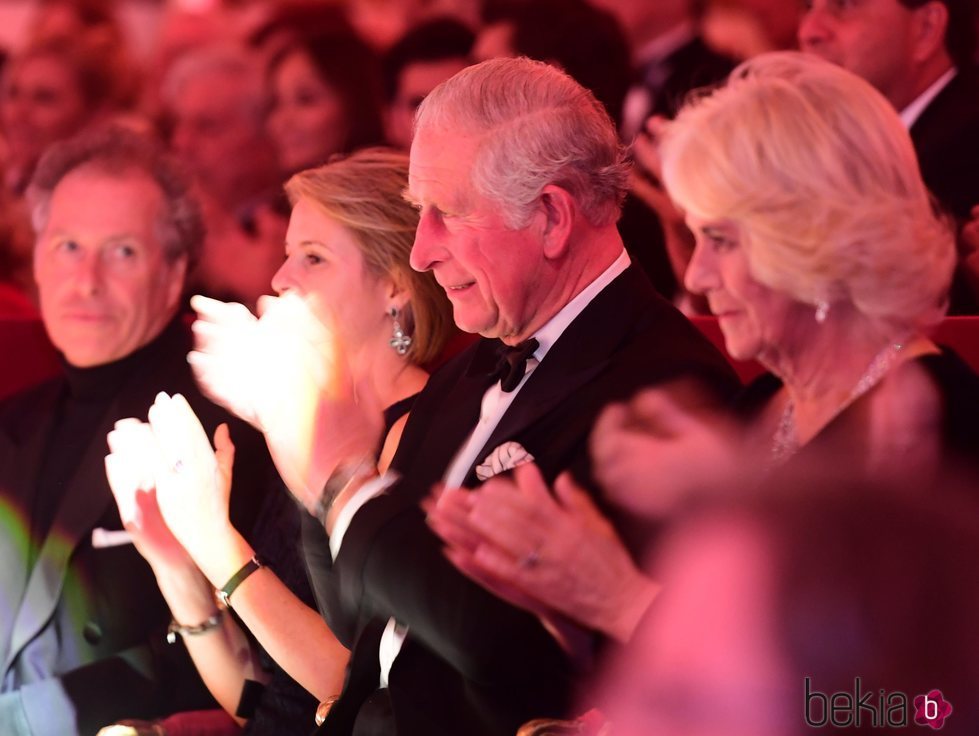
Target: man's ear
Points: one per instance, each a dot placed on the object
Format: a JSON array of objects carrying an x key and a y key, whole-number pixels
[
  {"x": 931, "y": 22},
  {"x": 559, "y": 210}
]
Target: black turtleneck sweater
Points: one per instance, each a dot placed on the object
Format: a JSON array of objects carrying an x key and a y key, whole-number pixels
[{"x": 87, "y": 396}]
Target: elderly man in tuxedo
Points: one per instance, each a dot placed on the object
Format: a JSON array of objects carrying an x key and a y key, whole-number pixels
[
  {"x": 82, "y": 624},
  {"x": 518, "y": 176}
]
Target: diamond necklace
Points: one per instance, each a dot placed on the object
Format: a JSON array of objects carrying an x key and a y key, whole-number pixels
[{"x": 785, "y": 441}]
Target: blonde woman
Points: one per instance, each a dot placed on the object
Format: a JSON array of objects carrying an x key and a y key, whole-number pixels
[{"x": 347, "y": 250}]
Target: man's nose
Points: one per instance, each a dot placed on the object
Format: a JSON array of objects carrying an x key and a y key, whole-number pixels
[
  {"x": 88, "y": 275},
  {"x": 429, "y": 246},
  {"x": 814, "y": 28}
]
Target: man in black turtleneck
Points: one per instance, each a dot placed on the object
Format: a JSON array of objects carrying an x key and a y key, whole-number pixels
[{"x": 82, "y": 624}]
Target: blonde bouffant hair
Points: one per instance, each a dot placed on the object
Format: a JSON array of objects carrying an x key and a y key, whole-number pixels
[
  {"x": 819, "y": 173},
  {"x": 363, "y": 192}
]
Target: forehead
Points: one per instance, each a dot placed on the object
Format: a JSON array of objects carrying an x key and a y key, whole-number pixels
[
  {"x": 439, "y": 167},
  {"x": 295, "y": 63},
  {"x": 93, "y": 200},
  {"x": 213, "y": 91}
]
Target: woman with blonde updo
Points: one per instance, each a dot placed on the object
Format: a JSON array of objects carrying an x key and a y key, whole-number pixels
[{"x": 821, "y": 253}]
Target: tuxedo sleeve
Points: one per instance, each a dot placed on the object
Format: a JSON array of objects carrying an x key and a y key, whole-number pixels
[{"x": 391, "y": 564}]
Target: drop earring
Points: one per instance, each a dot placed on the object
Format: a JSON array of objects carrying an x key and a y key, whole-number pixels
[{"x": 399, "y": 340}]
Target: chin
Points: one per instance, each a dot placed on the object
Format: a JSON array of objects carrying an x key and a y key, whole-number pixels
[
  {"x": 741, "y": 349},
  {"x": 475, "y": 325}
]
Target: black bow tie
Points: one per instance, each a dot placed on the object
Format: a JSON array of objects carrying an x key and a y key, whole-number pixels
[{"x": 512, "y": 363}]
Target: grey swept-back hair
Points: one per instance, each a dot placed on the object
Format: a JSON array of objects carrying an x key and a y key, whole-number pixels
[{"x": 535, "y": 126}]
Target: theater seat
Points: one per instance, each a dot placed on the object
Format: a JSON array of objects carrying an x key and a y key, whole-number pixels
[{"x": 961, "y": 334}]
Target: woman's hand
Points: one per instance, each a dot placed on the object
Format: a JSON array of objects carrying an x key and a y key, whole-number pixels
[
  {"x": 193, "y": 482},
  {"x": 549, "y": 554},
  {"x": 651, "y": 452},
  {"x": 264, "y": 370},
  {"x": 129, "y": 471},
  {"x": 287, "y": 375}
]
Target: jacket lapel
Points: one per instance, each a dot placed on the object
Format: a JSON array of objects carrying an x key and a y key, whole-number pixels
[
  {"x": 84, "y": 502},
  {"x": 579, "y": 355},
  {"x": 23, "y": 445}
]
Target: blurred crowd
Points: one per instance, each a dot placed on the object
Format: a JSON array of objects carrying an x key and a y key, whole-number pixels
[
  {"x": 459, "y": 442},
  {"x": 247, "y": 93}
]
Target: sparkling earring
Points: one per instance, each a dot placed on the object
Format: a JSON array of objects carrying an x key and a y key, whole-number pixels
[
  {"x": 399, "y": 340},
  {"x": 822, "y": 310}
]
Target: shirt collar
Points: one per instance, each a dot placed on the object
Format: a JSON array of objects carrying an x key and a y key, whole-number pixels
[
  {"x": 912, "y": 112},
  {"x": 661, "y": 47}
]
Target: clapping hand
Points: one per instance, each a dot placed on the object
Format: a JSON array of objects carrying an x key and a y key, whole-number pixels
[
  {"x": 263, "y": 370},
  {"x": 651, "y": 452},
  {"x": 129, "y": 468},
  {"x": 285, "y": 374},
  {"x": 172, "y": 489},
  {"x": 554, "y": 555}
]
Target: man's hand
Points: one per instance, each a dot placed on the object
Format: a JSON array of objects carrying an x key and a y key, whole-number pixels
[{"x": 554, "y": 555}]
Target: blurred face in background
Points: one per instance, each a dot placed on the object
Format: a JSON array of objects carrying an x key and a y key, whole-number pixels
[
  {"x": 874, "y": 39},
  {"x": 308, "y": 122},
  {"x": 40, "y": 103},
  {"x": 416, "y": 80},
  {"x": 219, "y": 134}
]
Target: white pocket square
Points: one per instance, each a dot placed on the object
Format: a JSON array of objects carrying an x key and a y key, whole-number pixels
[
  {"x": 505, "y": 457},
  {"x": 102, "y": 538}
]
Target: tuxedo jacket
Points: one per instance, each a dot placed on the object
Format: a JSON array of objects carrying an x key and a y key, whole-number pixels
[
  {"x": 946, "y": 139},
  {"x": 82, "y": 631},
  {"x": 471, "y": 663}
]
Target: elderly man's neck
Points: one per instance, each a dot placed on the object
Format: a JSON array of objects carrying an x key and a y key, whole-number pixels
[{"x": 587, "y": 259}]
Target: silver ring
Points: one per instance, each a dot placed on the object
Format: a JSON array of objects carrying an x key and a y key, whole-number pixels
[
  {"x": 531, "y": 560},
  {"x": 178, "y": 466}
]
